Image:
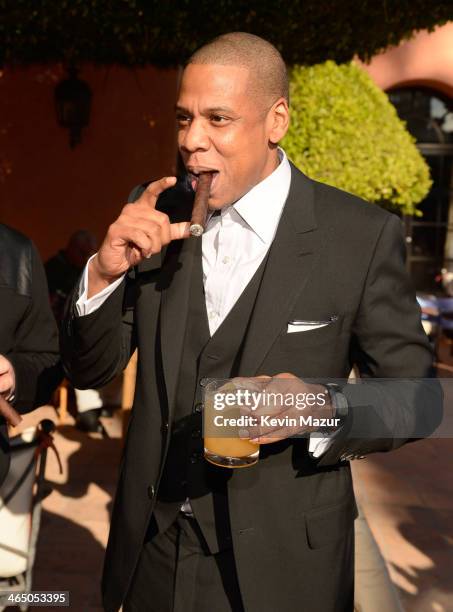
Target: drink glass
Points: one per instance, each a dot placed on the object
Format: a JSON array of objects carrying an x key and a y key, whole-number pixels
[{"x": 222, "y": 444}]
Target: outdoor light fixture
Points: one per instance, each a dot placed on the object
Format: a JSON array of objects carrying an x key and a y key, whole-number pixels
[{"x": 72, "y": 103}]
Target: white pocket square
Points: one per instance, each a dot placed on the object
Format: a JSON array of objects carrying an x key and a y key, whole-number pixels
[{"x": 302, "y": 326}]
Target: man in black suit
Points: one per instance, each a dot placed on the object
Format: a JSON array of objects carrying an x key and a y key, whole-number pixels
[
  {"x": 293, "y": 280},
  {"x": 29, "y": 358}
]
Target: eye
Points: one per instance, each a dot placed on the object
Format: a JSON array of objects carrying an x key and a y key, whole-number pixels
[
  {"x": 218, "y": 119},
  {"x": 183, "y": 119}
]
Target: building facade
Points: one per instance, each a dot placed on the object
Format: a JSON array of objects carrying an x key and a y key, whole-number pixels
[{"x": 418, "y": 77}]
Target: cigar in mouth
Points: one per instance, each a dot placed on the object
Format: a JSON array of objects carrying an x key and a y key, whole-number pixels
[
  {"x": 12, "y": 417},
  {"x": 200, "y": 206}
]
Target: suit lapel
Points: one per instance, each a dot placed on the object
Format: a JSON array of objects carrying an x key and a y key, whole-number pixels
[
  {"x": 288, "y": 267},
  {"x": 175, "y": 285}
]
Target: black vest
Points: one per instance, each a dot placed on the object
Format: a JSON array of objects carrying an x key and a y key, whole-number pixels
[{"x": 186, "y": 473}]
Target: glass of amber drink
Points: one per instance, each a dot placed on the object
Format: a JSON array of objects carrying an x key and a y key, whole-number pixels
[{"x": 222, "y": 424}]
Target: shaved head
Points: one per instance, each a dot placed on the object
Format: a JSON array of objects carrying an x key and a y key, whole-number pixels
[
  {"x": 268, "y": 77},
  {"x": 232, "y": 111}
]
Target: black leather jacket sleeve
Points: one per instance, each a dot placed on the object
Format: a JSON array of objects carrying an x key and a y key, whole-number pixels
[{"x": 28, "y": 331}]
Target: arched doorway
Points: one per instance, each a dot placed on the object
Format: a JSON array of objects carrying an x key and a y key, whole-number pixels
[{"x": 429, "y": 118}]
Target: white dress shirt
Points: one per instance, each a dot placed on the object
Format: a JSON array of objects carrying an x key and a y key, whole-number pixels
[{"x": 234, "y": 244}]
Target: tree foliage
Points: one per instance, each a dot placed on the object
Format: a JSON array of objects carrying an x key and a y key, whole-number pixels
[
  {"x": 345, "y": 132},
  {"x": 135, "y": 32}
]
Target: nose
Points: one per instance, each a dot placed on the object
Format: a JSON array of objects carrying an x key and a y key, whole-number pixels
[{"x": 194, "y": 137}]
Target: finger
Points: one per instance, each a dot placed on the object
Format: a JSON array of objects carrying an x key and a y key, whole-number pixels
[
  {"x": 164, "y": 222},
  {"x": 277, "y": 435},
  {"x": 154, "y": 233},
  {"x": 268, "y": 435},
  {"x": 158, "y": 227},
  {"x": 138, "y": 239},
  {"x": 179, "y": 230},
  {"x": 169, "y": 231},
  {"x": 7, "y": 411},
  {"x": 135, "y": 212},
  {"x": 251, "y": 383},
  {"x": 286, "y": 385},
  {"x": 252, "y": 386},
  {"x": 262, "y": 432},
  {"x": 266, "y": 440},
  {"x": 154, "y": 189},
  {"x": 285, "y": 375},
  {"x": 279, "y": 426}
]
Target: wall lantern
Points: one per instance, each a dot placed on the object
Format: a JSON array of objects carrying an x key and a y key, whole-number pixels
[{"x": 73, "y": 103}]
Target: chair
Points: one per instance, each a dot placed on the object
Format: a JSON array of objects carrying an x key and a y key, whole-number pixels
[
  {"x": 20, "y": 507},
  {"x": 445, "y": 307}
]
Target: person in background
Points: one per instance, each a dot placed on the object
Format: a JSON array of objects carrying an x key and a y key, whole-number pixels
[
  {"x": 30, "y": 368},
  {"x": 63, "y": 271}
]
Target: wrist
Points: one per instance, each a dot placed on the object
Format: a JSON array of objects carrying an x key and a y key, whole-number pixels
[
  {"x": 325, "y": 405},
  {"x": 339, "y": 402},
  {"x": 97, "y": 279}
]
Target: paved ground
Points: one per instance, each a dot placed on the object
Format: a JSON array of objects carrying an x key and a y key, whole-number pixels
[
  {"x": 75, "y": 518},
  {"x": 407, "y": 497}
]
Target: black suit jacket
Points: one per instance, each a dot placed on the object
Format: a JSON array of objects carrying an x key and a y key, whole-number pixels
[
  {"x": 333, "y": 254},
  {"x": 28, "y": 332}
]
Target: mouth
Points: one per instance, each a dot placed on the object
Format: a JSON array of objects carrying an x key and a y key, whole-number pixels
[{"x": 195, "y": 172}]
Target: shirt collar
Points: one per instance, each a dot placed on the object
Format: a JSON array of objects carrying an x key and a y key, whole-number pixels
[{"x": 262, "y": 206}]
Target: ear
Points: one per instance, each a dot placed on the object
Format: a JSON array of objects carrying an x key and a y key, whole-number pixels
[{"x": 278, "y": 120}]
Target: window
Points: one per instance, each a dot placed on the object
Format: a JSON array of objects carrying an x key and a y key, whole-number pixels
[{"x": 429, "y": 118}]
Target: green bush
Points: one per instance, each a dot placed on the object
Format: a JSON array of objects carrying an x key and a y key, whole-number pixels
[
  {"x": 136, "y": 32},
  {"x": 345, "y": 132}
]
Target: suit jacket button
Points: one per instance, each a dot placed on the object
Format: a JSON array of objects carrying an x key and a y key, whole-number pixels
[
  {"x": 151, "y": 491},
  {"x": 198, "y": 407},
  {"x": 164, "y": 427},
  {"x": 204, "y": 382}
]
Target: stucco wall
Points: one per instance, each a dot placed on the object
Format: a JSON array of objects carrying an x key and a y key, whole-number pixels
[
  {"x": 48, "y": 190},
  {"x": 426, "y": 59}
]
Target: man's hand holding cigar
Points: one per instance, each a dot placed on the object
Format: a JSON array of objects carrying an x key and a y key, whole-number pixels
[
  {"x": 7, "y": 384},
  {"x": 7, "y": 377},
  {"x": 139, "y": 232}
]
